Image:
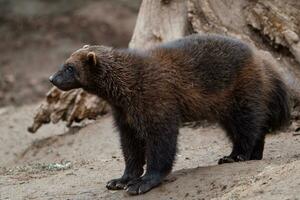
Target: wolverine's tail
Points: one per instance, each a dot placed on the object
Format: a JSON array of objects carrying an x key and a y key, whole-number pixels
[
  {"x": 290, "y": 79},
  {"x": 278, "y": 106},
  {"x": 284, "y": 93}
]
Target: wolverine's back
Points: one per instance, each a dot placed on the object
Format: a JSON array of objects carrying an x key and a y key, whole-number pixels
[{"x": 212, "y": 61}]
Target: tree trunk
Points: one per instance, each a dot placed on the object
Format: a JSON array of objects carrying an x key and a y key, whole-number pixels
[{"x": 271, "y": 26}]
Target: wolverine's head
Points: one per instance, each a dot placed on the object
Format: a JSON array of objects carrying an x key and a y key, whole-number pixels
[{"x": 76, "y": 71}]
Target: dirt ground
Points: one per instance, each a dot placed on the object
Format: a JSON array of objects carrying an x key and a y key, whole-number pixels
[
  {"x": 57, "y": 163},
  {"x": 90, "y": 156}
]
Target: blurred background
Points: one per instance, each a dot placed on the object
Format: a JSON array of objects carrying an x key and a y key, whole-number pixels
[{"x": 38, "y": 35}]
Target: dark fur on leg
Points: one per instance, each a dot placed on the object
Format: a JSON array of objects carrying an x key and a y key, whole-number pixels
[
  {"x": 134, "y": 154},
  {"x": 160, "y": 152},
  {"x": 257, "y": 153},
  {"x": 244, "y": 125}
]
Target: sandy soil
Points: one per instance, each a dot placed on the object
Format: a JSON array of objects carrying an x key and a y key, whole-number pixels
[{"x": 93, "y": 156}]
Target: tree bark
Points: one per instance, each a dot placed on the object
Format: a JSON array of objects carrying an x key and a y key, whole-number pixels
[
  {"x": 270, "y": 26},
  {"x": 159, "y": 21}
]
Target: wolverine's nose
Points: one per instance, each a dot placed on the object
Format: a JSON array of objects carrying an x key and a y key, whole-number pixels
[{"x": 51, "y": 78}]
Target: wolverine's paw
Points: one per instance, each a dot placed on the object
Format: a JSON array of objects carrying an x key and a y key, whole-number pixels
[
  {"x": 225, "y": 159},
  {"x": 143, "y": 184},
  {"x": 231, "y": 159},
  {"x": 116, "y": 184}
]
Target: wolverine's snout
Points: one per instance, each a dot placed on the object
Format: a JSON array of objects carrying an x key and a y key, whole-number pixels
[
  {"x": 64, "y": 81},
  {"x": 55, "y": 79},
  {"x": 51, "y": 79}
]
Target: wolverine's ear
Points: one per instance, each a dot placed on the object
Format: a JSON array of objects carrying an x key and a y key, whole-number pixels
[{"x": 92, "y": 58}]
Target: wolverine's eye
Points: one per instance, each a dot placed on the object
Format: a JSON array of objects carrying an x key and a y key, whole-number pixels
[{"x": 69, "y": 69}]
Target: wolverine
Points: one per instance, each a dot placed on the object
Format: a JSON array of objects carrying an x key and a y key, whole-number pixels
[{"x": 153, "y": 92}]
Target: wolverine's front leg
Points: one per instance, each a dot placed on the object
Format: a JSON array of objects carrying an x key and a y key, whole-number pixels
[
  {"x": 134, "y": 155},
  {"x": 160, "y": 153}
]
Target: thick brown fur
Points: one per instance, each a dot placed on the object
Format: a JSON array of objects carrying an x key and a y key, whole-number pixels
[{"x": 152, "y": 92}]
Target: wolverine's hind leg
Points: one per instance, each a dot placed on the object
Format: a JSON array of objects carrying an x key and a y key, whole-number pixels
[
  {"x": 243, "y": 126},
  {"x": 258, "y": 150}
]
